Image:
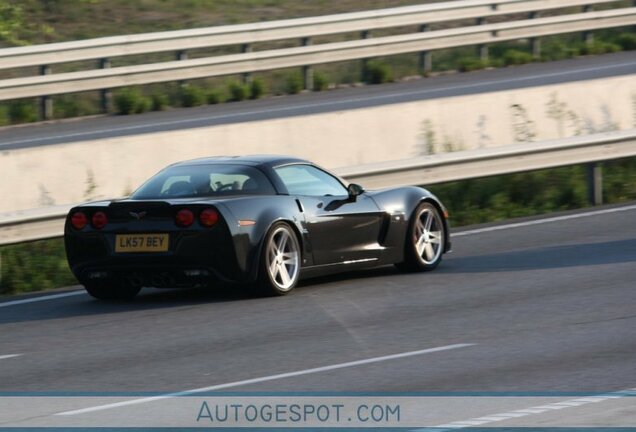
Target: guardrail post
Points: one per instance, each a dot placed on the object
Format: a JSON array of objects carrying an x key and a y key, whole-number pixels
[
  {"x": 426, "y": 57},
  {"x": 308, "y": 72},
  {"x": 595, "y": 183},
  {"x": 46, "y": 103},
  {"x": 588, "y": 36},
  {"x": 179, "y": 56},
  {"x": 106, "y": 95},
  {"x": 482, "y": 49},
  {"x": 366, "y": 34},
  {"x": 247, "y": 76},
  {"x": 535, "y": 42}
]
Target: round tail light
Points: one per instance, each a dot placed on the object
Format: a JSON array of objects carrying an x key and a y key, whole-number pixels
[
  {"x": 184, "y": 218},
  {"x": 208, "y": 217},
  {"x": 99, "y": 220},
  {"x": 79, "y": 220}
]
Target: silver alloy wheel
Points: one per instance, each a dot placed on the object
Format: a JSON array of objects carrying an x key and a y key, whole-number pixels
[
  {"x": 427, "y": 235},
  {"x": 283, "y": 259}
]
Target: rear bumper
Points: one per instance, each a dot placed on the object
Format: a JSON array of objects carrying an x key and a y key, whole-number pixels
[
  {"x": 151, "y": 276},
  {"x": 194, "y": 258}
]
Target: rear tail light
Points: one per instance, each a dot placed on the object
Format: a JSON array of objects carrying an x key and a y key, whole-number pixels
[
  {"x": 208, "y": 217},
  {"x": 99, "y": 220},
  {"x": 184, "y": 218},
  {"x": 79, "y": 220}
]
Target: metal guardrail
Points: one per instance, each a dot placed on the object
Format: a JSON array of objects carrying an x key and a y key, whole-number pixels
[
  {"x": 179, "y": 40},
  {"x": 304, "y": 29},
  {"x": 48, "y": 222},
  {"x": 307, "y": 55},
  {"x": 507, "y": 159}
]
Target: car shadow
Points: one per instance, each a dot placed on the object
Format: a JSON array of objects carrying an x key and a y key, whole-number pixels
[
  {"x": 375, "y": 272},
  {"x": 148, "y": 299},
  {"x": 151, "y": 298},
  {"x": 589, "y": 254}
]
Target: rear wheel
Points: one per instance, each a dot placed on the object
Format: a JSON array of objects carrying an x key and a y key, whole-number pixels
[
  {"x": 280, "y": 261},
  {"x": 111, "y": 290},
  {"x": 424, "y": 243}
]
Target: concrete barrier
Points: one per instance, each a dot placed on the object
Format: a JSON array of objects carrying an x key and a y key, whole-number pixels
[{"x": 74, "y": 172}]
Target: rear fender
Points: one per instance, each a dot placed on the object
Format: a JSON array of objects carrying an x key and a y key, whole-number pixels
[{"x": 252, "y": 220}]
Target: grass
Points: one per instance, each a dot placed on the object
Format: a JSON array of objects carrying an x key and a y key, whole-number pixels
[
  {"x": 46, "y": 21},
  {"x": 533, "y": 193},
  {"x": 41, "y": 265}
]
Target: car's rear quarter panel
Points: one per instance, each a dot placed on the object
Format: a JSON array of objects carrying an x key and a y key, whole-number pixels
[{"x": 264, "y": 211}]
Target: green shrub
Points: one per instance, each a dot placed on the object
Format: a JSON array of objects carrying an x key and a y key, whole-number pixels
[
  {"x": 238, "y": 91},
  {"x": 143, "y": 105},
  {"x": 4, "y": 115},
  {"x": 257, "y": 89},
  {"x": 192, "y": 96},
  {"x": 294, "y": 83},
  {"x": 556, "y": 49},
  {"x": 376, "y": 72},
  {"x": 321, "y": 81},
  {"x": 626, "y": 41},
  {"x": 468, "y": 64},
  {"x": 159, "y": 101},
  {"x": 524, "y": 194},
  {"x": 516, "y": 57},
  {"x": 599, "y": 47},
  {"x": 34, "y": 266},
  {"x": 131, "y": 101},
  {"x": 214, "y": 97},
  {"x": 73, "y": 106},
  {"x": 22, "y": 111}
]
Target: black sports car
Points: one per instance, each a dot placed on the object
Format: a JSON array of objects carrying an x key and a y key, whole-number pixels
[{"x": 260, "y": 220}]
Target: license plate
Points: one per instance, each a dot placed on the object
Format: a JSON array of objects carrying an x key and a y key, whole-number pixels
[{"x": 141, "y": 242}]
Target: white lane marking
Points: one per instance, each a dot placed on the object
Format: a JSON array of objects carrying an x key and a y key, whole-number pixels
[
  {"x": 8, "y": 356},
  {"x": 533, "y": 410},
  {"x": 542, "y": 221},
  {"x": 293, "y": 108},
  {"x": 267, "y": 378},
  {"x": 42, "y": 298}
]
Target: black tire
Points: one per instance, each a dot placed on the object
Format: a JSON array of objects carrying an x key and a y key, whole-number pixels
[
  {"x": 111, "y": 290},
  {"x": 424, "y": 247},
  {"x": 279, "y": 270}
]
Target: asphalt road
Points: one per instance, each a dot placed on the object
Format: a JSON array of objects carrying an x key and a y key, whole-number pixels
[
  {"x": 546, "y": 305},
  {"x": 580, "y": 69}
]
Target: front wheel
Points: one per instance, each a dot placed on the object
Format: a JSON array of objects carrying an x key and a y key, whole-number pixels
[
  {"x": 280, "y": 261},
  {"x": 111, "y": 290},
  {"x": 424, "y": 243}
]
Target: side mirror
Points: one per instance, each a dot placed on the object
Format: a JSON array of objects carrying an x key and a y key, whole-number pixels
[{"x": 354, "y": 190}]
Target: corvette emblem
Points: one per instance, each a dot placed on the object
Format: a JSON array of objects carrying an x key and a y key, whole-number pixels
[{"x": 139, "y": 215}]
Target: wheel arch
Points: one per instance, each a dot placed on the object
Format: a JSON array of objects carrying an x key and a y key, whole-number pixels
[
  {"x": 258, "y": 256},
  {"x": 444, "y": 214},
  {"x": 405, "y": 200}
]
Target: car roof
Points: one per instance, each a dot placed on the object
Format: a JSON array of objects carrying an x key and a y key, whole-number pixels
[{"x": 254, "y": 160}]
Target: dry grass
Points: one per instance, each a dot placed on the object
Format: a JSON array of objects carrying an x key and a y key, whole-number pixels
[{"x": 82, "y": 19}]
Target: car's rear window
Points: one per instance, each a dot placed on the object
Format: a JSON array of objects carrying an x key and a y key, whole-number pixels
[{"x": 189, "y": 181}]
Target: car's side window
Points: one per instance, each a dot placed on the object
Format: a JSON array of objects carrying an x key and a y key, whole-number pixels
[{"x": 310, "y": 181}]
